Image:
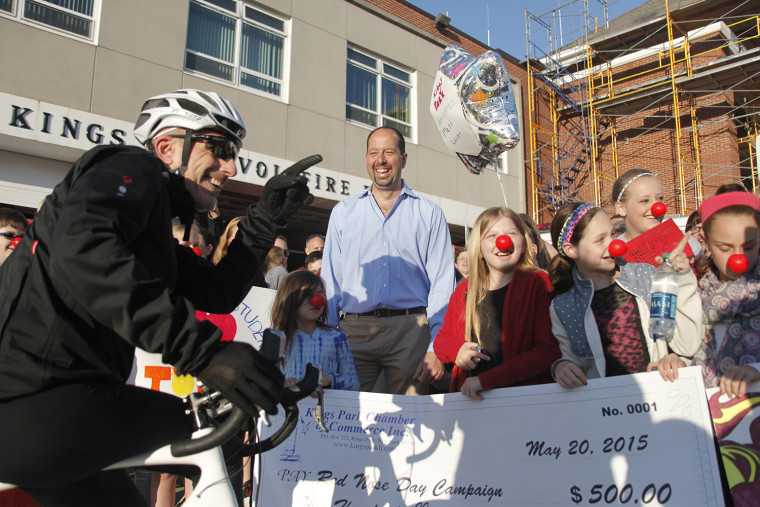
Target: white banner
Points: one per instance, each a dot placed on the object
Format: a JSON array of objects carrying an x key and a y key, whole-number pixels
[
  {"x": 246, "y": 324},
  {"x": 633, "y": 439}
]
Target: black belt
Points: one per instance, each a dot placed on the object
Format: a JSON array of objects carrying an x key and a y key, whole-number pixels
[{"x": 382, "y": 312}]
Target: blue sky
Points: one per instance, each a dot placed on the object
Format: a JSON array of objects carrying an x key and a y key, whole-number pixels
[{"x": 507, "y": 18}]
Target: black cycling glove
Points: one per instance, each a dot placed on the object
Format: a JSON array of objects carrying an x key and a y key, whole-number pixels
[
  {"x": 244, "y": 377},
  {"x": 285, "y": 193}
]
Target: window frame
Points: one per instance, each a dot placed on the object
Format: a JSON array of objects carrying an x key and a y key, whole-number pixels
[
  {"x": 17, "y": 14},
  {"x": 240, "y": 19},
  {"x": 380, "y": 74}
]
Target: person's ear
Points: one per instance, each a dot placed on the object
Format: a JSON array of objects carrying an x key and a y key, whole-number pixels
[
  {"x": 570, "y": 250},
  {"x": 620, "y": 209},
  {"x": 165, "y": 148}
]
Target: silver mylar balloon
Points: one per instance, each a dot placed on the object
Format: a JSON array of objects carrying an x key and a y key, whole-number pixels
[{"x": 474, "y": 107}]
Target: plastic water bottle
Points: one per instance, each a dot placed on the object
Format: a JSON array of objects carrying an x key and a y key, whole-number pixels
[{"x": 662, "y": 309}]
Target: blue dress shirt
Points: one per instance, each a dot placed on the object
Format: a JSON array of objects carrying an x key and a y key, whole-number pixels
[
  {"x": 397, "y": 262},
  {"x": 325, "y": 348}
]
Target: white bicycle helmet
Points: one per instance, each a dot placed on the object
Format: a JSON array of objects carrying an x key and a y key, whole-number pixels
[{"x": 192, "y": 110}]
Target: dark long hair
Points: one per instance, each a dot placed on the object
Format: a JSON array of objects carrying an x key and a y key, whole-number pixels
[
  {"x": 294, "y": 289},
  {"x": 561, "y": 267}
]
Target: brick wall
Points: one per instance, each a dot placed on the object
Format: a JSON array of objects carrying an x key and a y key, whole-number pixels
[{"x": 646, "y": 139}]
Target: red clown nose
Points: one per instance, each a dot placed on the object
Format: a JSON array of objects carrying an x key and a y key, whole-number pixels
[
  {"x": 15, "y": 242},
  {"x": 503, "y": 242},
  {"x": 659, "y": 209},
  {"x": 318, "y": 300},
  {"x": 617, "y": 248},
  {"x": 197, "y": 251},
  {"x": 738, "y": 263}
]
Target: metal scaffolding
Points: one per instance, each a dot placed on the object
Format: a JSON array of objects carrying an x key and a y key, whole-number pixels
[{"x": 651, "y": 77}]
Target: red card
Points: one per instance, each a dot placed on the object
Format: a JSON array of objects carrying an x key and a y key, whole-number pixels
[{"x": 662, "y": 239}]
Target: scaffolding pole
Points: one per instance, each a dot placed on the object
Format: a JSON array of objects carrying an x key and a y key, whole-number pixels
[{"x": 592, "y": 96}]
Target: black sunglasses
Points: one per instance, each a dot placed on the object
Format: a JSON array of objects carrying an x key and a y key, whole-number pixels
[
  {"x": 221, "y": 147},
  {"x": 10, "y": 236}
]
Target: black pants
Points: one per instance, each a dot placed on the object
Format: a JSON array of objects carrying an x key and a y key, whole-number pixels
[{"x": 55, "y": 443}]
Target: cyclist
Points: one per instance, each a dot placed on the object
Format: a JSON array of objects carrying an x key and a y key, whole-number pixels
[{"x": 98, "y": 273}]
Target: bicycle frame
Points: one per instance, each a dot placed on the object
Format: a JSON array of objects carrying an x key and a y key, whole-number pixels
[
  {"x": 204, "y": 449},
  {"x": 213, "y": 487}
]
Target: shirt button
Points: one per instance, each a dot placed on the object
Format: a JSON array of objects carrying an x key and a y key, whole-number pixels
[{"x": 385, "y": 285}]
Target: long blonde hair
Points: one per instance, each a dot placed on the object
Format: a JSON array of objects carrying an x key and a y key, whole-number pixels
[{"x": 478, "y": 281}]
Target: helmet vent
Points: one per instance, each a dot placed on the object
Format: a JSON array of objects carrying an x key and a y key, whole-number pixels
[
  {"x": 141, "y": 120},
  {"x": 230, "y": 125},
  {"x": 206, "y": 97},
  {"x": 152, "y": 104},
  {"x": 191, "y": 106}
]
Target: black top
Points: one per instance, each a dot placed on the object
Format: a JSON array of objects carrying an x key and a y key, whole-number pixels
[
  {"x": 491, "y": 313},
  {"x": 617, "y": 317},
  {"x": 98, "y": 273}
]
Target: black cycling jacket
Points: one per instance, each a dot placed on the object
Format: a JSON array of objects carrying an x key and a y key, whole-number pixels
[{"x": 98, "y": 273}]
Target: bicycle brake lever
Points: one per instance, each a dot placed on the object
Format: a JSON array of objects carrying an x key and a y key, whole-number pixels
[
  {"x": 308, "y": 384},
  {"x": 319, "y": 410}
]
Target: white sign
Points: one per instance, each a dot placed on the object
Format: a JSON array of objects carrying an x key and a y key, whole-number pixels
[
  {"x": 633, "y": 439},
  {"x": 59, "y": 125},
  {"x": 245, "y": 324},
  {"x": 446, "y": 108}
]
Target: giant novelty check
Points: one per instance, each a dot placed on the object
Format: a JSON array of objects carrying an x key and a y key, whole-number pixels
[{"x": 634, "y": 440}]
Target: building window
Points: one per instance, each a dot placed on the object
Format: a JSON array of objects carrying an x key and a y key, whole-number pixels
[
  {"x": 75, "y": 17},
  {"x": 235, "y": 42},
  {"x": 378, "y": 93}
]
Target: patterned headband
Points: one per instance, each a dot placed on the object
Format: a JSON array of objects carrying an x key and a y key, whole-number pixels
[
  {"x": 566, "y": 233},
  {"x": 631, "y": 181}
]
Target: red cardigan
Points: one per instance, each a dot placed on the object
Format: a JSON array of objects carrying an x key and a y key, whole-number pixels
[{"x": 528, "y": 346}]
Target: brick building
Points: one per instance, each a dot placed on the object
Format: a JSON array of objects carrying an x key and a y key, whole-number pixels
[{"x": 672, "y": 91}]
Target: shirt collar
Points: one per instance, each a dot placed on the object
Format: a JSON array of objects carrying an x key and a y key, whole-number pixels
[{"x": 405, "y": 190}]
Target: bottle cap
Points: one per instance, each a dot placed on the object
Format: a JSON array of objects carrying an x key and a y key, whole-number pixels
[{"x": 665, "y": 256}]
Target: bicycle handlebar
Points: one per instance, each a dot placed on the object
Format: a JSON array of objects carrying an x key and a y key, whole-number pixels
[
  {"x": 224, "y": 432},
  {"x": 289, "y": 401}
]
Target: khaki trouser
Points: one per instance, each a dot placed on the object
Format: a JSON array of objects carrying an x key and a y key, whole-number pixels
[{"x": 391, "y": 345}]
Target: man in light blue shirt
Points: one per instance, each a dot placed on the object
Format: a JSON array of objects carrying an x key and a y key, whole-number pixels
[{"x": 387, "y": 265}]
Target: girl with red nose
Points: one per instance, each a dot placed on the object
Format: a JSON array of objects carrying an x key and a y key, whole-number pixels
[
  {"x": 730, "y": 356},
  {"x": 496, "y": 329},
  {"x": 300, "y": 311},
  {"x": 638, "y": 197},
  {"x": 600, "y": 311}
]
